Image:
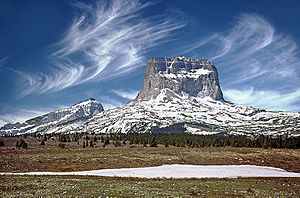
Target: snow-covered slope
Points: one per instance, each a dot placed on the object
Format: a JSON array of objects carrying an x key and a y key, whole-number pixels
[
  {"x": 74, "y": 115},
  {"x": 183, "y": 95},
  {"x": 170, "y": 112},
  {"x": 179, "y": 95}
]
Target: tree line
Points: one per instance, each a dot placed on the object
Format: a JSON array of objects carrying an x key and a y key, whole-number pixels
[
  {"x": 184, "y": 140},
  {"x": 193, "y": 140},
  {"x": 167, "y": 139}
]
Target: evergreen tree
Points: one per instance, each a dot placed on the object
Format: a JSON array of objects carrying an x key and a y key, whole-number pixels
[
  {"x": 91, "y": 143},
  {"x": 106, "y": 142},
  {"x": 61, "y": 145},
  {"x": 117, "y": 143},
  {"x": 22, "y": 144},
  {"x": 153, "y": 142},
  {"x": 145, "y": 144},
  {"x": 166, "y": 145},
  {"x": 95, "y": 139}
]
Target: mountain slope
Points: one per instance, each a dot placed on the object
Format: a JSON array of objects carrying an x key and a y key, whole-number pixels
[
  {"x": 170, "y": 112},
  {"x": 75, "y": 114},
  {"x": 179, "y": 95},
  {"x": 183, "y": 95}
]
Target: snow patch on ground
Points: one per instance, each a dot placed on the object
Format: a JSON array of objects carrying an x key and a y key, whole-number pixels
[{"x": 180, "y": 171}]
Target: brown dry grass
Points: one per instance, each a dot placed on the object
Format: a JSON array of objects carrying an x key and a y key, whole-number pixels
[
  {"x": 83, "y": 186},
  {"x": 74, "y": 157}
]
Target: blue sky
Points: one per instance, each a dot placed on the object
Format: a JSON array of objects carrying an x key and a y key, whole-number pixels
[{"x": 56, "y": 53}]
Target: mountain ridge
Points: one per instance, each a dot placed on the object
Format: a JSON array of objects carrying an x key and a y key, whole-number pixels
[
  {"x": 79, "y": 111},
  {"x": 179, "y": 95}
]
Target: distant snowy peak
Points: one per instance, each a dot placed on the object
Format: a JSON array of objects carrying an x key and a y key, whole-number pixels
[
  {"x": 179, "y": 95},
  {"x": 194, "y": 77},
  {"x": 76, "y": 113},
  {"x": 85, "y": 108},
  {"x": 88, "y": 107}
]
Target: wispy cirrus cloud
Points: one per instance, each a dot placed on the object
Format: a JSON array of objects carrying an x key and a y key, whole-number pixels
[
  {"x": 253, "y": 50},
  {"x": 21, "y": 115},
  {"x": 254, "y": 54},
  {"x": 2, "y": 123},
  {"x": 109, "y": 102},
  {"x": 13, "y": 114},
  {"x": 266, "y": 99},
  {"x": 31, "y": 82},
  {"x": 2, "y": 60},
  {"x": 107, "y": 39},
  {"x": 127, "y": 94}
]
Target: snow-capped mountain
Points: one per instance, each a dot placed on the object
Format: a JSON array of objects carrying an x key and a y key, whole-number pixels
[
  {"x": 183, "y": 95},
  {"x": 179, "y": 95},
  {"x": 195, "y": 77},
  {"x": 75, "y": 114},
  {"x": 170, "y": 112}
]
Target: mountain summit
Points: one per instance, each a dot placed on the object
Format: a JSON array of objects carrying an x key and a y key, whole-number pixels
[
  {"x": 46, "y": 123},
  {"x": 179, "y": 95},
  {"x": 183, "y": 76}
]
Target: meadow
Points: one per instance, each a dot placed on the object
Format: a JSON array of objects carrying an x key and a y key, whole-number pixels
[{"x": 53, "y": 155}]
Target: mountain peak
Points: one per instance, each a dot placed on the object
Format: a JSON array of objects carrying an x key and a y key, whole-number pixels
[
  {"x": 86, "y": 101},
  {"x": 183, "y": 75},
  {"x": 180, "y": 94},
  {"x": 74, "y": 114}
]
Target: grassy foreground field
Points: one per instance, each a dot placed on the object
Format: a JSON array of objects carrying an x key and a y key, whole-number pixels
[
  {"x": 72, "y": 186},
  {"x": 74, "y": 157}
]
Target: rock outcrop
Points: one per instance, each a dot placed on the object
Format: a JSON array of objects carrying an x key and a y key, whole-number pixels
[
  {"x": 184, "y": 76},
  {"x": 179, "y": 95}
]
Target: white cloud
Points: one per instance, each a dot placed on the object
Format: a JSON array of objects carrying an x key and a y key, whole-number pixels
[
  {"x": 31, "y": 82},
  {"x": 15, "y": 114},
  {"x": 252, "y": 52},
  {"x": 127, "y": 94},
  {"x": 2, "y": 60},
  {"x": 105, "y": 40},
  {"x": 21, "y": 115},
  {"x": 266, "y": 99},
  {"x": 2, "y": 122},
  {"x": 109, "y": 102}
]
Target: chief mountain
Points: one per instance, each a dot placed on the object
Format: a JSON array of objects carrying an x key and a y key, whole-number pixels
[{"x": 179, "y": 95}]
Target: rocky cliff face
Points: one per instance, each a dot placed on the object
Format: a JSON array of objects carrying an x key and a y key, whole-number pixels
[
  {"x": 74, "y": 114},
  {"x": 184, "y": 76},
  {"x": 179, "y": 95}
]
